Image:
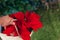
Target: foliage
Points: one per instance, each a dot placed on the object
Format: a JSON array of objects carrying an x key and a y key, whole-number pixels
[
  {"x": 11, "y": 6},
  {"x": 50, "y": 18},
  {"x": 51, "y": 26}
]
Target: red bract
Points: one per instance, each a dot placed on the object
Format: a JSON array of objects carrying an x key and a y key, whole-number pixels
[
  {"x": 24, "y": 21},
  {"x": 17, "y": 15}
]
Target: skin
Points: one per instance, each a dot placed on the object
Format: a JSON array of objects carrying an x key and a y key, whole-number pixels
[{"x": 6, "y": 20}]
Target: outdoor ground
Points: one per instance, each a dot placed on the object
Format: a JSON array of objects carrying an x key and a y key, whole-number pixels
[{"x": 51, "y": 26}]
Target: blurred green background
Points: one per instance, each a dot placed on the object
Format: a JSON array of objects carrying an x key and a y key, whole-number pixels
[{"x": 50, "y": 17}]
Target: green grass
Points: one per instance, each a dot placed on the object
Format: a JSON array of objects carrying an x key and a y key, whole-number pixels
[{"x": 51, "y": 26}]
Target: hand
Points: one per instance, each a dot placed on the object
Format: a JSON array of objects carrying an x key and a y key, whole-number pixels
[{"x": 6, "y": 20}]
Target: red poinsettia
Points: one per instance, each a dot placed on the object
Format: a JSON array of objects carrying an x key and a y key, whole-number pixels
[{"x": 25, "y": 23}]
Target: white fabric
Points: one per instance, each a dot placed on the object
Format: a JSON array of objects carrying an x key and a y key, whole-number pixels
[{"x": 5, "y": 37}]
